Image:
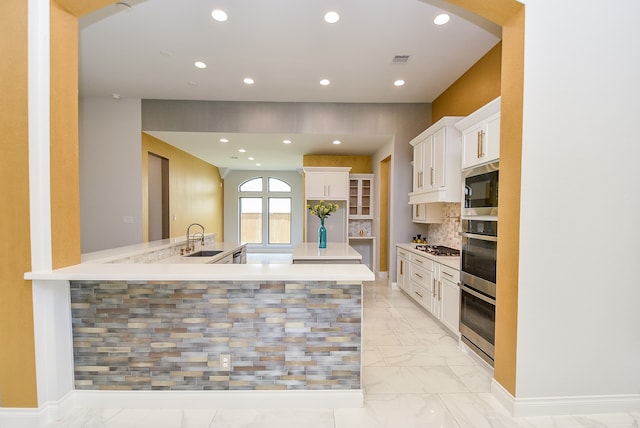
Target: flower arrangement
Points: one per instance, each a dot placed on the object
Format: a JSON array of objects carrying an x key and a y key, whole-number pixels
[{"x": 322, "y": 210}]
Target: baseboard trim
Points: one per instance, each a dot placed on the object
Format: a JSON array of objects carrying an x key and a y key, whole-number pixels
[
  {"x": 217, "y": 399},
  {"x": 36, "y": 417},
  {"x": 557, "y": 406},
  {"x": 52, "y": 411}
]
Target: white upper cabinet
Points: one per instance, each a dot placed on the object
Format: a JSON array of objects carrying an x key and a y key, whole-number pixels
[
  {"x": 481, "y": 135},
  {"x": 330, "y": 183},
  {"x": 361, "y": 196},
  {"x": 436, "y": 163}
]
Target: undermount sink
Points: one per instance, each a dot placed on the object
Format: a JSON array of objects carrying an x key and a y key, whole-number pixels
[{"x": 204, "y": 253}]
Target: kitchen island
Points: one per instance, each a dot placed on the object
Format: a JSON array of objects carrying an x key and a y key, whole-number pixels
[
  {"x": 225, "y": 332},
  {"x": 335, "y": 253}
]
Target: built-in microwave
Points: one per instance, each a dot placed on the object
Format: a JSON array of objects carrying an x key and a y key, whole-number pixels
[{"x": 480, "y": 189}]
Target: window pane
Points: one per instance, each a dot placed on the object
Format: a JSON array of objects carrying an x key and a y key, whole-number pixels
[
  {"x": 279, "y": 220},
  {"x": 276, "y": 185},
  {"x": 251, "y": 220},
  {"x": 253, "y": 185}
]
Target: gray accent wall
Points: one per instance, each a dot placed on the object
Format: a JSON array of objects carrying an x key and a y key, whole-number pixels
[
  {"x": 110, "y": 173},
  {"x": 401, "y": 122}
]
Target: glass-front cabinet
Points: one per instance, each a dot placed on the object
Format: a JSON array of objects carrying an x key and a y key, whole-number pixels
[{"x": 361, "y": 196}]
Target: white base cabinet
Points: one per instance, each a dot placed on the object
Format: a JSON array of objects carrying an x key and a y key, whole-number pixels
[{"x": 433, "y": 285}]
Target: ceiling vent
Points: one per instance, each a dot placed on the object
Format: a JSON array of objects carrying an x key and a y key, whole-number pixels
[{"x": 400, "y": 59}]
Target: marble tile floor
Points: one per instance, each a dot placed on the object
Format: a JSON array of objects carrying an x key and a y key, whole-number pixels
[{"x": 414, "y": 376}]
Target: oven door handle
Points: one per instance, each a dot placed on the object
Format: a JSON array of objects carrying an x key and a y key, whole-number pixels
[
  {"x": 478, "y": 295},
  {"x": 480, "y": 237}
]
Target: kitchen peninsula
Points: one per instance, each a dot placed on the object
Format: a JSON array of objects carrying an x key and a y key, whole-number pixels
[{"x": 225, "y": 332}]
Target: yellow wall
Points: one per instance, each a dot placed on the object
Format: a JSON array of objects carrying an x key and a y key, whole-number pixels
[
  {"x": 510, "y": 15},
  {"x": 17, "y": 359},
  {"x": 479, "y": 85},
  {"x": 358, "y": 164},
  {"x": 195, "y": 190},
  {"x": 65, "y": 182}
]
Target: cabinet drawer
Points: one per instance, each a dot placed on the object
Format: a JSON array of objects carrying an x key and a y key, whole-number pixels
[
  {"x": 422, "y": 262},
  {"x": 450, "y": 274},
  {"x": 422, "y": 277},
  {"x": 403, "y": 253},
  {"x": 421, "y": 295}
]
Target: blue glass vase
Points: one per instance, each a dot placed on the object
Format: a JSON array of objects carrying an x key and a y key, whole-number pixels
[{"x": 322, "y": 235}]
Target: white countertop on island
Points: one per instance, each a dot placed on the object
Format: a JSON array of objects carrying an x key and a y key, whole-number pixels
[{"x": 339, "y": 251}]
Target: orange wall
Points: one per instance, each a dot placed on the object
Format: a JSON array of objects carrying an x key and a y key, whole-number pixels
[
  {"x": 479, "y": 85},
  {"x": 195, "y": 190},
  {"x": 65, "y": 182},
  {"x": 358, "y": 164},
  {"x": 510, "y": 15},
  {"x": 17, "y": 359}
]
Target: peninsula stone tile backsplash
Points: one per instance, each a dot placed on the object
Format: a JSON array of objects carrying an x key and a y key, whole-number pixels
[{"x": 170, "y": 335}]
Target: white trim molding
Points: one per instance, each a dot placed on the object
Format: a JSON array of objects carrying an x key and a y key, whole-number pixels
[
  {"x": 555, "y": 406},
  {"x": 52, "y": 411}
]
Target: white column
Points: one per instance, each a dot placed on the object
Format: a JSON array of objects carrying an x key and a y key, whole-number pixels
[{"x": 51, "y": 305}]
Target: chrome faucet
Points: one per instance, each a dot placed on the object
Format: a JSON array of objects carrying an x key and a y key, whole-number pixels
[{"x": 191, "y": 240}]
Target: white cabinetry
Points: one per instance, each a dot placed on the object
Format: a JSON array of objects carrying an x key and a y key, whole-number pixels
[
  {"x": 481, "y": 135},
  {"x": 326, "y": 183},
  {"x": 403, "y": 266},
  {"x": 330, "y": 184},
  {"x": 447, "y": 297},
  {"x": 436, "y": 163},
  {"x": 361, "y": 196},
  {"x": 422, "y": 281},
  {"x": 428, "y": 213},
  {"x": 431, "y": 284}
]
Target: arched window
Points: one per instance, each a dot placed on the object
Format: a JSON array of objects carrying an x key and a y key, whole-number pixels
[{"x": 271, "y": 208}]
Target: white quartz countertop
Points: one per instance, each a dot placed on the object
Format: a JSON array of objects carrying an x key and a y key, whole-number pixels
[
  {"x": 334, "y": 251},
  {"x": 206, "y": 272},
  {"x": 452, "y": 262},
  {"x": 100, "y": 266}
]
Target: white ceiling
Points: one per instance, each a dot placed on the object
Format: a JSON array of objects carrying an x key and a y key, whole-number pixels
[{"x": 147, "y": 52}]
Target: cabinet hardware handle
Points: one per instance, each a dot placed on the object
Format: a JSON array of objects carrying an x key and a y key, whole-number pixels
[
  {"x": 447, "y": 273},
  {"x": 481, "y": 143},
  {"x": 418, "y": 261},
  {"x": 419, "y": 276},
  {"x": 418, "y": 293},
  {"x": 401, "y": 265},
  {"x": 431, "y": 177}
]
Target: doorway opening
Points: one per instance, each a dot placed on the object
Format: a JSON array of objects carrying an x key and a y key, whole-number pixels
[
  {"x": 158, "y": 188},
  {"x": 385, "y": 174}
]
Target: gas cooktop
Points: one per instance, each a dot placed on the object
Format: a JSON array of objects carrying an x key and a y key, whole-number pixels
[{"x": 438, "y": 250}]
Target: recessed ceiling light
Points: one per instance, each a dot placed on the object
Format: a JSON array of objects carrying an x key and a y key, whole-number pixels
[
  {"x": 251, "y": 158},
  {"x": 332, "y": 17},
  {"x": 115, "y": 96},
  {"x": 441, "y": 19},
  {"x": 200, "y": 64},
  {"x": 286, "y": 141},
  {"x": 258, "y": 164},
  {"x": 325, "y": 82},
  {"x": 242, "y": 150},
  {"x": 219, "y": 15},
  {"x": 248, "y": 81},
  {"x": 336, "y": 142},
  {"x": 224, "y": 140},
  {"x": 399, "y": 82}
]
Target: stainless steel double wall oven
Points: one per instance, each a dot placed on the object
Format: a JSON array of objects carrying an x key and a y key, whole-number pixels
[{"x": 479, "y": 251}]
